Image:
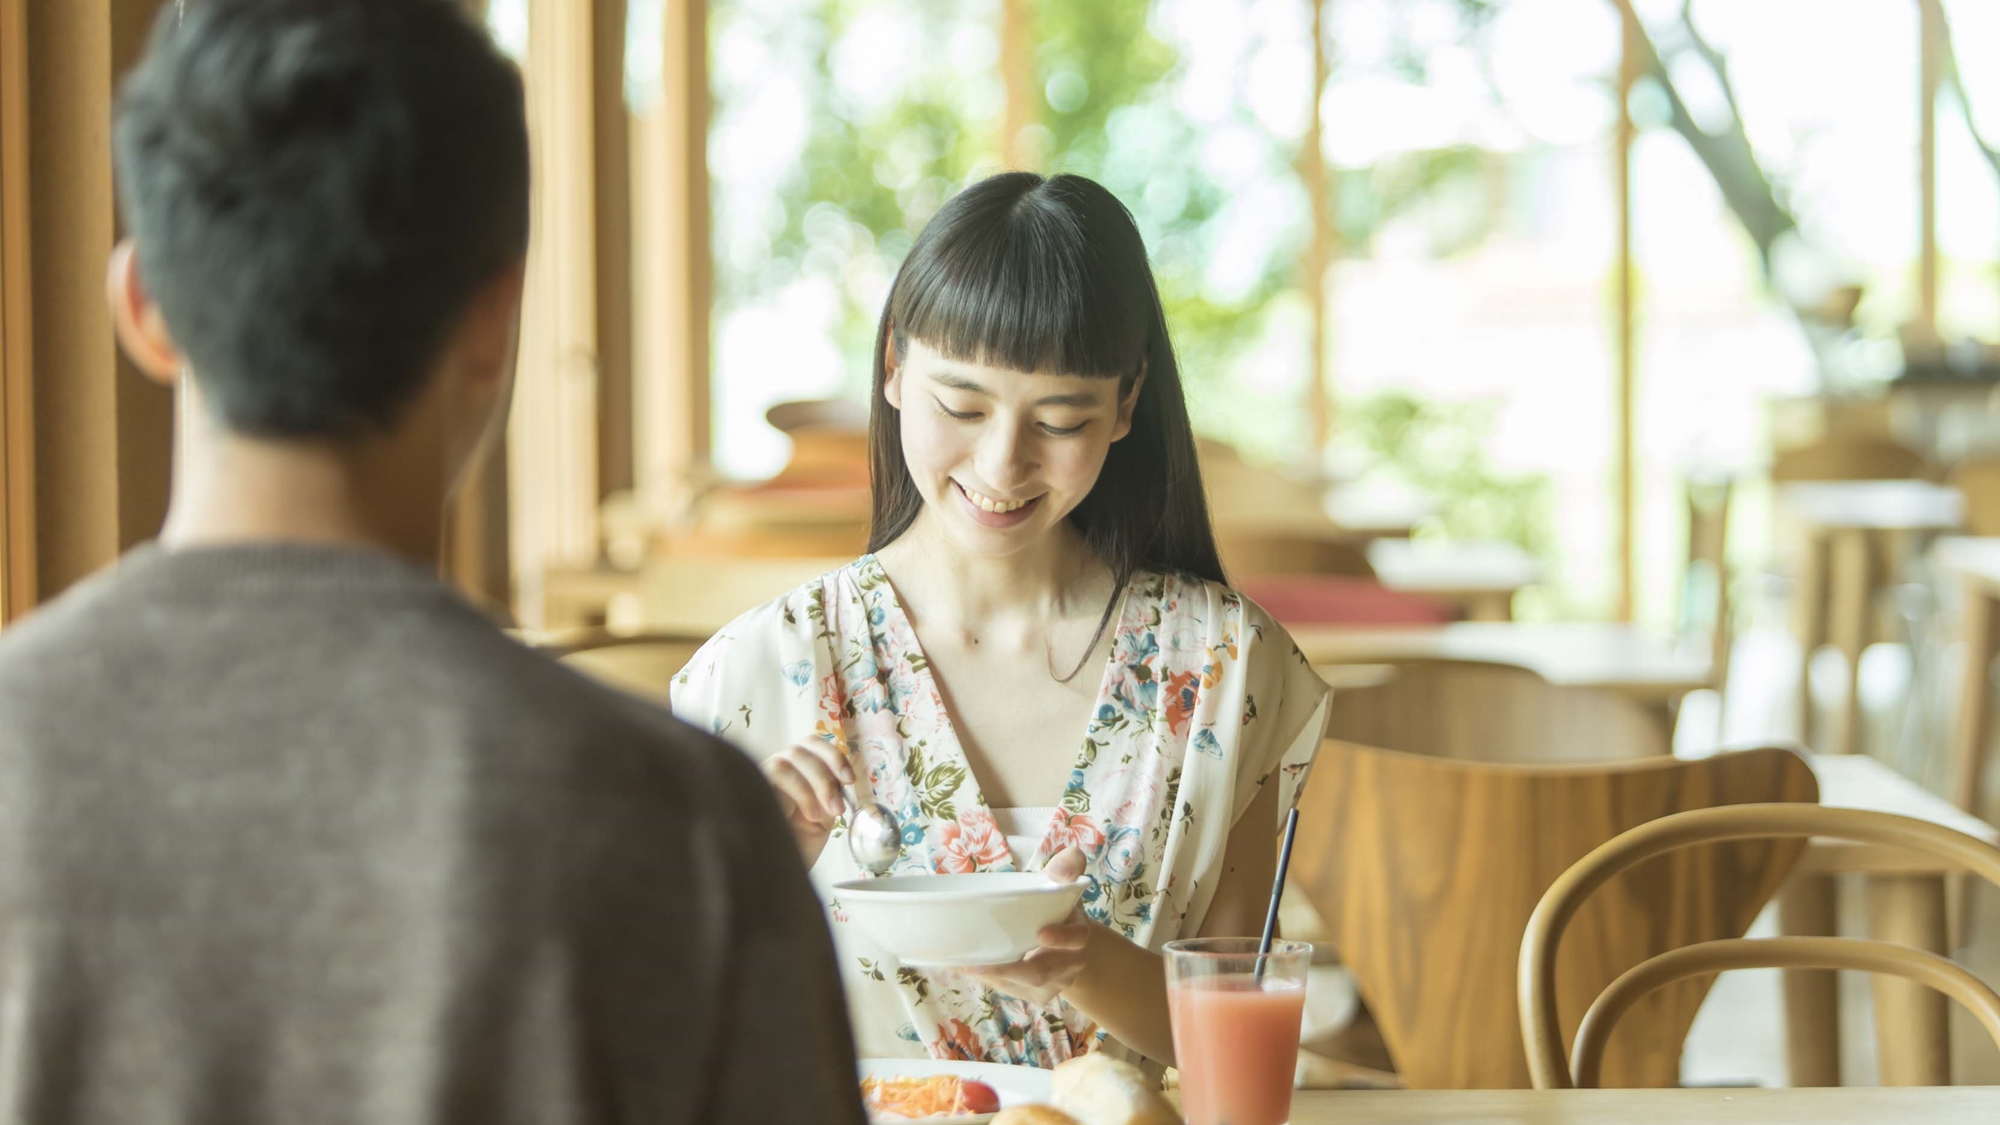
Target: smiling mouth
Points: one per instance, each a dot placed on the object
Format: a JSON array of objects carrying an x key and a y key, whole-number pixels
[{"x": 987, "y": 503}]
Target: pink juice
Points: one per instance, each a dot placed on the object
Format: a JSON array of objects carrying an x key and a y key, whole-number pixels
[{"x": 1237, "y": 1046}]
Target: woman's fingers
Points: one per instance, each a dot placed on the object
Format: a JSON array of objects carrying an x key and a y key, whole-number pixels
[
  {"x": 831, "y": 756},
  {"x": 1066, "y": 865},
  {"x": 1069, "y": 936},
  {"x": 812, "y": 789}
]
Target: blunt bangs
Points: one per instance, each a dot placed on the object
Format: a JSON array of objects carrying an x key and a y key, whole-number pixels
[{"x": 1029, "y": 280}]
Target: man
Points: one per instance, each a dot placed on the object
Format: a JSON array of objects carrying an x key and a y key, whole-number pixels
[{"x": 288, "y": 832}]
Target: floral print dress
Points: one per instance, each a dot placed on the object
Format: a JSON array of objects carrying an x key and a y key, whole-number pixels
[{"x": 1204, "y": 700}]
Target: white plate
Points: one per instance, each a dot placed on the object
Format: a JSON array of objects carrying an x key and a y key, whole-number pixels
[{"x": 1016, "y": 1085}]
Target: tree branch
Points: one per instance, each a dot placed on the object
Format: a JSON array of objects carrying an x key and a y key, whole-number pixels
[
  {"x": 1716, "y": 60},
  {"x": 1952, "y": 76},
  {"x": 1727, "y": 155}
]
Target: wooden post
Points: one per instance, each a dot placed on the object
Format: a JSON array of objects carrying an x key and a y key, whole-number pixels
[
  {"x": 552, "y": 452},
  {"x": 103, "y": 433},
  {"x": 1017, "y": 73},
  {"x": 1628, "y": 73},
  {"x": 17, "y": 418},
  {"x": 1930, "y": 76},
  {"x": 611, "y": 140},
  {"x": 672, "y": 267},
  {"x": 1319, "y": 248}
]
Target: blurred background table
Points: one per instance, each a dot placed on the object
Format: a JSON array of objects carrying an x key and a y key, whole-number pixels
[
  {"x": 1860, "y": 536},
  {"x": 1477, "y": 578},
  {"x": 1649, "y": 667}
]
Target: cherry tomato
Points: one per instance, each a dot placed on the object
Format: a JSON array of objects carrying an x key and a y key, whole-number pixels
[{"x": 980, "y": 1098}]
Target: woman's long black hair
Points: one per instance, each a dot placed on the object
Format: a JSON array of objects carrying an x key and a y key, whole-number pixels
[{"x": 1050, "y": 276}]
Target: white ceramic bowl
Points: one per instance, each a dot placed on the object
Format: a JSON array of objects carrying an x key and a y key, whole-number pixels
[{"x": 951, "y": 921}]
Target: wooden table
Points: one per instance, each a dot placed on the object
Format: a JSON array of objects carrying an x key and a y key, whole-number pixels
[
  {"x": 1976, "y": 565},
  {"x": 1650, "y": 668},
  {"x": 1853, "y": 529},
  {"x": 1945, "y": 1106},
  {"x": 1479, "y": 577},
  {"x": 1906, "y": 905}
]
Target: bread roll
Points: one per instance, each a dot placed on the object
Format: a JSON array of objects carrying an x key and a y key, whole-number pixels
[
  {"x": 1034, "y": 1115},
  {"x": 1099, "y": 1090}
]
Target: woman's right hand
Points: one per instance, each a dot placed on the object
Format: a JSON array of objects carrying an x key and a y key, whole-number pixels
[{"x": 808, "y": 776}]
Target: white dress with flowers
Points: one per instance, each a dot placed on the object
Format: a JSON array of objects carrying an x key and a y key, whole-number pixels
[{"x": 1204, "y": 700}]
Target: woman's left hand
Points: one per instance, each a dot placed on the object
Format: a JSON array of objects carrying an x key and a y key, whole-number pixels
[{"x": 1054, "y": 964}]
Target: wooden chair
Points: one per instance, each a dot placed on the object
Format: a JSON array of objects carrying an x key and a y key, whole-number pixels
[
  {"x": 643, "y": 664},
  {"x": 1424, "y": 870},
  {"x": 1848, "y": 458},
  {"x": 1252, "y": 552},
  {"x": 1978, "y": 480},
  {"x": 1480, "y": 712},
  {"x": 1542, "y": 996}
]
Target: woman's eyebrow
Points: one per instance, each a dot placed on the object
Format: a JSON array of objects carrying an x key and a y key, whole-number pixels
[{"x": 961, "y": 383}]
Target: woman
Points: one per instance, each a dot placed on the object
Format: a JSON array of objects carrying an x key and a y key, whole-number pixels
[{"x": 1037, "y": 665}]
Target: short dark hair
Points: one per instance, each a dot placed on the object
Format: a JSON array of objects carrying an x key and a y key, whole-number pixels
[{"x": 317, "y": 188}]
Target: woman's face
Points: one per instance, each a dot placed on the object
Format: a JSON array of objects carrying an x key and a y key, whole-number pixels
[{"x": 1000, "y": 456}]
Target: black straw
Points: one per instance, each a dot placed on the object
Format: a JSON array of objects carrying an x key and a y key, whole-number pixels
[{"x": 1277, "y": 892}]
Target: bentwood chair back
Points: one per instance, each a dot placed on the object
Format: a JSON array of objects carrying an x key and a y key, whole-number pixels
[
  {"x": 643, "y": 664},
  {"x": 1542, "y": 988},
  {"x": 1488, "y": 712},
  {"x": 1425, "y": 871}
]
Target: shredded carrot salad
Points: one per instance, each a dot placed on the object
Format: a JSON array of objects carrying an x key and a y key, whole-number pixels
[{"x": 941, "y": 1095}]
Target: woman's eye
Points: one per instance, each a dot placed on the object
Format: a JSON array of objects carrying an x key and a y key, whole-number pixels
[
  {"x": 950, "y": 413},
  {"x": 1063, "y": 431}
]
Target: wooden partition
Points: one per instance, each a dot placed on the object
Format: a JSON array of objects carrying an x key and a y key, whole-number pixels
[{"x": 85, "y": 441}]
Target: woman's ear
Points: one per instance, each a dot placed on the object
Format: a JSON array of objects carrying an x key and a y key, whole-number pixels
[
  {"x": 141, "y": 330},
  {"x": 1128, "y": 403},
  {"x": 892, "y": 371}
]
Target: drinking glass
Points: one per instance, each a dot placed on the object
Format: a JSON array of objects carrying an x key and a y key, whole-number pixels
[{"x": 1236, "y": 1027}]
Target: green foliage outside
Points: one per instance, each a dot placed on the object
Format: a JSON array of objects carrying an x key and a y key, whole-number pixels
[
  {"x": 867, "y": 181},
  {"x": 1440, "y": 448}
]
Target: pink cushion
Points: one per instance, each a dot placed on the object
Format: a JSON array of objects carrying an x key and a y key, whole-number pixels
[{"x": 1317, "y": 599}]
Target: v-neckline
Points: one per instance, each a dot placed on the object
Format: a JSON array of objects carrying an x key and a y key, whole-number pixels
[{"x": 927, "y": 681}]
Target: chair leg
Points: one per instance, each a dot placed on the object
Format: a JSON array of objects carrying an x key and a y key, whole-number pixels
[
  {"x": 1812, "y": 997},
  {"x": 1852, "y": 614}
]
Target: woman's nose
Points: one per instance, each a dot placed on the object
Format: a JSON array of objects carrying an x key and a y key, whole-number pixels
[{"x": 1005, "y": 457}]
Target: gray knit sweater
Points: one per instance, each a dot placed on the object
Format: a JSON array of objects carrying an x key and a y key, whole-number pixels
[{"x": 292, "y": 835}]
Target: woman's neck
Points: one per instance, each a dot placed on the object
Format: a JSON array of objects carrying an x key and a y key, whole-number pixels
[{"x": 1055, "y": 580}]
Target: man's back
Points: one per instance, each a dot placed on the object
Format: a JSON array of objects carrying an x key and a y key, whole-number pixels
[{"x": 289, "y": 833}]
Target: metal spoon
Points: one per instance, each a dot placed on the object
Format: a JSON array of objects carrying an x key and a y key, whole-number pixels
[{"x": 874, "y": 836}]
